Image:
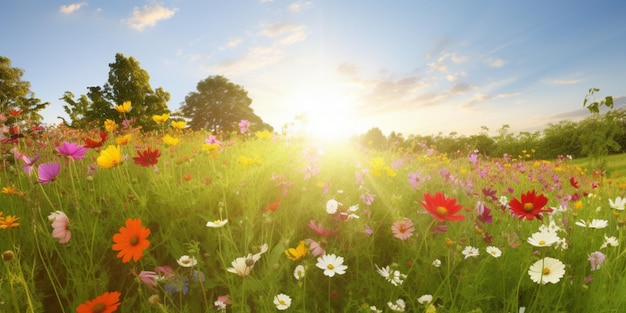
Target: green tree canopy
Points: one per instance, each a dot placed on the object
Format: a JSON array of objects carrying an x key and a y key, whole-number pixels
[
  {"x": 15, "y": 94},
  {"x": 127, "y": 82},
  {"x": 218, "y": 105}
]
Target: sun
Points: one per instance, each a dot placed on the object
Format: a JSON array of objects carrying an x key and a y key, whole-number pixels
[{"x": 326, "y": 115}]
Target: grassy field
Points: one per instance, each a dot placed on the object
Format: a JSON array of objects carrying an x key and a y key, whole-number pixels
[{"x": 616, "y": 165}]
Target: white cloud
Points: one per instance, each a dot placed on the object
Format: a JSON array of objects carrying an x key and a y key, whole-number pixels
[
  {"x": 455, "y": 76},
  {"x": 233, "y": 43},
  {"x": 71, "y": 8},
  {"x": 148, "y": 16},
  {"x": 495, "y": 62},
  {"x": 441, "y": 64},
  {"x": 255, "y": 58}
]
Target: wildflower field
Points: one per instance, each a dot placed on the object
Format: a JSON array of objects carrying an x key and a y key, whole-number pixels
[{"x": 179, "y": 221}]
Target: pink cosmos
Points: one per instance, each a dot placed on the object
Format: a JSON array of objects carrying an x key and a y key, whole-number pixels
[
  {"x": 47, "y": 172},
  {"x": 149, "y": 278},
  {"x": 315, "y": 247},
  {"x": 212, "y": 140},
  {"x": 243, "y": 126},
  {"x": 402, "y": 229},
  {"x": 319, "y": 229},
  {"x": 60, "y": 224},
  {"x": 72, "y": 150}
]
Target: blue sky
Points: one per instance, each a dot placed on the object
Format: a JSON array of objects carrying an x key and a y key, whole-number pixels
[{"x": 415, "y": 67}]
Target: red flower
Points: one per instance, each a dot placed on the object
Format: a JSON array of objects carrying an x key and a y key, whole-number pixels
[
  {"x": 147, "y": 157},
  {"x": 441, "y": 207},
  {"x": 105, "y": 303},
  {"x": 530, "y": 207},
  {"x": 272, "y": 206},
  {"x": 90, "y": 143},
  {"x": 14, "y": 112},
  {"x": 573, "y": 182}
]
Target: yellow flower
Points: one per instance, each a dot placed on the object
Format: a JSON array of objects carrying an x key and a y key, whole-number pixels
[
  {"x": 264, "y": 135},
  {"x": 245, "y": 161},
  {"x": 297, "y": 253},
  {"x": 210, "y": 147},
  {"x": 12, "y": 190},
  {"x": 110, "y": 125},
  {"x": 123, "y": 108},
  {"x": 171, "y": 141},
  {"x": 578, "y": 205},
  {"x": 160, "y": 118},
  {"x": 9, "y": 222},
  {"x": 123, "y": 139},
  {"x": 110, "y": 157},
  {"x": 179, "y": 124}
]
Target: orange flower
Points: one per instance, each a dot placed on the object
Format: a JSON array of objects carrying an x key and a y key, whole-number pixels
[
  {"x": 105, "y": 303},
  {"x": 9, "y": 222},
  {"x": 131, "y": 240}
]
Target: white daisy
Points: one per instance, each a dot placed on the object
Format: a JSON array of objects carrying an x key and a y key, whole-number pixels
[
  {"x": 470, "y": 251},
  {"x": 331, "y": 264},
  {"x": 216, "y": 223},
  {"x": 282, "y": 301},
  {"x": 494, "y": 251},
  {"x": 187, "y": 261},
  {"x": 394, "y": 277},
  {"x": 543, "y": 239},
  {"x": 399, "y": 306},
  {"x": 609, "y": 241},
  {"x": 619, "y": 204}
]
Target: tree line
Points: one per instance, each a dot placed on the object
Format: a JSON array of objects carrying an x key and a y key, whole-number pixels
[{"x": 216, "y": 105}]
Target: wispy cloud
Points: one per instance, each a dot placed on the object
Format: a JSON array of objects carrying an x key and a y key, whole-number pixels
[
  {"x": 149, "y": 15},
  {"x": 561, "y": 81},
  {"x": 255, "y": 58},
  {"x": 299, "y": 6},
  {"x": 71, "y": 8},
  {"x": 495, "y": 62},
  {"x": 482, "y": 98},
  {"x": 233, "y": 43},
  {"x": 441, "y": 64},
  {"x": 288, "y": 33}
]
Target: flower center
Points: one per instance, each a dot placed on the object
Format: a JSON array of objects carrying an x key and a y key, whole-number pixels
[
  {"x": 546, "y": 271},
  {"x": 185, "y": 261},
  {"x": 330, "y": 266},
  {"x": 282, "y": 302},
  {"x": 134, "y": 240},
  {"x": 441, "y": 210},
  {"x": 99, "y": 308},
  {"x": 528, "y": 207},
  {"x": 542, "y": 242}
]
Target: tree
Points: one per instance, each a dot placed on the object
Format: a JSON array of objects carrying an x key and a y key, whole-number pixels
[
  {"x": 219, "y": 105},
  {"x": 15, "y": 94},
  {"x": 599, "y": 132},
  {"x": 374, "y": 138},
  {"x": 127, "y": 82}
]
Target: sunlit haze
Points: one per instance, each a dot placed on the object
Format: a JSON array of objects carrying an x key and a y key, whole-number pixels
[{"x": 333, "y": 69}]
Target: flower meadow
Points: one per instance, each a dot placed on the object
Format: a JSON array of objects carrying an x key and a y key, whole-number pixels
[{"x": 116, "y": 220}]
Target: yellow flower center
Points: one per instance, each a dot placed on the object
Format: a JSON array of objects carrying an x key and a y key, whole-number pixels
[
  {"x": 546, "y": 271},
  {"x": 528, "y": 207},
  {"x": 99, "y": 307},
  {"x": 185, "y": 261},
  {"x": 542, "y": 242},
  {"x": 441, "y": 210},
  {"x": 281, "y": 302},
  {"x": 330, "y": 266},
  {"x": 134, "y": 240}
]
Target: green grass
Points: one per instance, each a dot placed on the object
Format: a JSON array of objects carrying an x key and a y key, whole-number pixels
[{"x": 616, "y": 165}]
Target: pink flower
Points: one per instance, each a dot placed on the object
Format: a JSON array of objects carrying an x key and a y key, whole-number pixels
[
  {"x": 243, "y": 126},
  {"x": 319, "y": 229},
  {"x": 60, "y": 224},
  {"x": 596, "y": 259},
  {"x": 315, "y": 247},
  {"x": 72, "y": 150},
  {"x": 403, "y": 229},
  {"x": 149, "y": 277}
]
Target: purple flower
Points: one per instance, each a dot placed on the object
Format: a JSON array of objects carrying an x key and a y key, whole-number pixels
[
  {"x": 149, "y": 277},
  {"x": 72, "y": 150},
  {"x": 28, "y": 163},
  {"x": 596, "y": 259},
  {"x": 47, "y": 172}
]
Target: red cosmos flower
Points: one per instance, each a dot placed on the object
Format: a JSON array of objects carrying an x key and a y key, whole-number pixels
[
  {"x": 14, "y": 112},
  {"x": 147, "y": 157},
  {"x": 441, "y": 207},
  {"x": 573, "y": 182},
  {"x": 530, "y": 207},
  {"x": 90, "y": 143},
  {"x": 105, "y": 303},
  {"x": 272, "y": 206}
]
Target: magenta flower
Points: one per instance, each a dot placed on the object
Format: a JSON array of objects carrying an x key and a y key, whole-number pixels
[
  {"x": 47, "y": 172},
  {"x": 60, "y": 224},
  {"x": 72, "y": 150},
  {"x": 28, "y": 163},
  {"x": 315, "y": 247},
  {"x": 402, "y": 229},
  {"x": 243, "y": 126}
]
